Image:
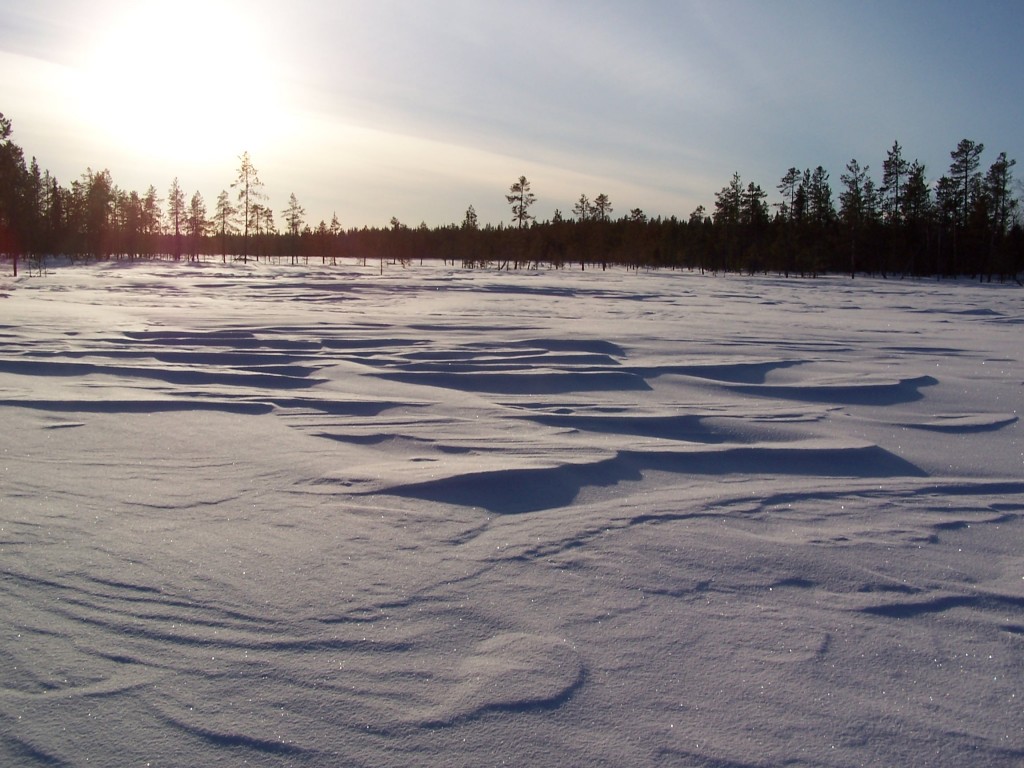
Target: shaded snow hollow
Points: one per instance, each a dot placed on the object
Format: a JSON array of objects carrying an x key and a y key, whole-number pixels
[{"x": 263, "y": 515}]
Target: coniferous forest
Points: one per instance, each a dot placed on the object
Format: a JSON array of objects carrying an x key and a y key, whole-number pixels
[{"x": 965, "y": 222}]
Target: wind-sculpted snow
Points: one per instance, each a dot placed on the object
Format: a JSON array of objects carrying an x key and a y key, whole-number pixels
[{"x": 315, "y": 516}]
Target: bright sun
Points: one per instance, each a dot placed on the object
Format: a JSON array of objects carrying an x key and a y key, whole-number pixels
[{"x": 184, "y": 82}]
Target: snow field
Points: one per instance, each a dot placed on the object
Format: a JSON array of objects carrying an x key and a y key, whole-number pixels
[{"x": 252, "y": 514}]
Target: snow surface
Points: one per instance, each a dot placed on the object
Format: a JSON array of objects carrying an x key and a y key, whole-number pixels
[{"x": 319, "y": 516}]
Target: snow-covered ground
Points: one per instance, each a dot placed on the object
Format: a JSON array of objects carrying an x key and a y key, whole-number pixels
[{"x": 319, "y": 516}]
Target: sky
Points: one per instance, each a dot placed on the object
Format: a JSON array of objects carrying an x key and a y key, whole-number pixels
[{"x": 373, "y": 110}]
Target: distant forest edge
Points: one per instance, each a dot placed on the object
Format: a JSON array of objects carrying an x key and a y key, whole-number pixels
[{"x": 967, "y": 223}]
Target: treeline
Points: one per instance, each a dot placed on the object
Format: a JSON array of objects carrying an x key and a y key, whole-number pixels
[{"x": 967, "y": 223}]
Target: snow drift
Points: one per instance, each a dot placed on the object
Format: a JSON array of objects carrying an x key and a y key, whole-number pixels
[{"x": 327, "y": 517}]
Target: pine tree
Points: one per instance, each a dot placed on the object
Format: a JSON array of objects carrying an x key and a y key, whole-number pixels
[
  {"x": 249, "y": 193},
  {"x": 917, "y": 216},
  {"x": 966, "y": 178},
  {"x": 1001, "y": 208},
  {"x": 729, "y": 201},
  {"x": 819, "y": 197},
  {"x": 856, "y": 200},
  {"x": 176, "y": 214},
  {"x": 99, "y": 203},
  {"x": 917, "y": 197},
  {"x": 894, "y": 180},
  {"x": 798, "y": 214},
  {"x": 858, "y": 207},
  {"x": 958, "y": 195},
  {"x": 197, "y": 223},
  {"x": 582, "y": 208},
  {"x": 1001, "y": 204},
  {"x": 521, "y": 198},
  {"x": 753, "y": 209},
  {"x": 293, "y": 216},
  {"x": 334, "y": 240},
  {"x": 12, "y": 182},
  {"x": 33, "y": 208},
  {"x": 55, "y": 224},
  {"x": 788, "y": 186},
  {"x": 225, "y": 220},
  {"x": 151, "y": 218},
  {"x": 947, "y": 201},
  {"x": 602, "y": 207}
]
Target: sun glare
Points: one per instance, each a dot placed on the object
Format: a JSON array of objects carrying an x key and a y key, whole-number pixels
[{"x": 183, "y": 82}]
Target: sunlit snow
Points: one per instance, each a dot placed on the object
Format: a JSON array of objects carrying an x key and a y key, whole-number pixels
[{"x": 323, "y": 516}]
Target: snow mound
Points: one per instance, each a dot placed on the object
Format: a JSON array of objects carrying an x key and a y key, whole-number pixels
[{"x": 512, "y": 672}]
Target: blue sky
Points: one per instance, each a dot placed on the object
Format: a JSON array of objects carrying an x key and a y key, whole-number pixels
[{"x": 419, "y": 109}]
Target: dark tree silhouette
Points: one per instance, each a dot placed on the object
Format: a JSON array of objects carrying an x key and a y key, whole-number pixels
[
  {"x": 965, "y": 223},
  {"x": 997, "y": 184},
  {"x": 602, "y": 207},
  {"x": 225, "y": 221},
  {"x": 521, "y": 198},
  {"x": 294, "y": 219},
  {"x": 858, "y": 207},
  {"x": 966, "y": 178},
  {"x": 788, "y": 186},
  {"x": 176, "y": 214},
  {"x": 250, "y": 192},
  {"x": 12, "y": 181},
  {"x": 582, "y": 208},
  {"x": 894, "y": 182},
  {"x": 197, "y": 223}
]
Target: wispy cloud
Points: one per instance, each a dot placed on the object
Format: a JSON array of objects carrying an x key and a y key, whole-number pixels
[{"x": 415, "y": 109}]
